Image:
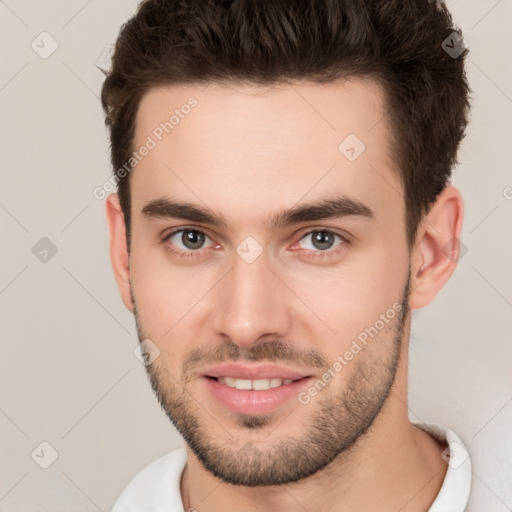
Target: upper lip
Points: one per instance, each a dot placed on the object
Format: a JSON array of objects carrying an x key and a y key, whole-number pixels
[{"x": 254, "y": 371}]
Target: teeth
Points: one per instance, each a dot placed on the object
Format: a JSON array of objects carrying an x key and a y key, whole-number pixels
[
  {"x": 258, "y": 384},
  {"x": 243, "y": 384},
  {"x": 229, "y": 381}
]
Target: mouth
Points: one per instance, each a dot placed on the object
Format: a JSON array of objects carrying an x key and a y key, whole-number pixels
[{"x": 254, "y": 396}]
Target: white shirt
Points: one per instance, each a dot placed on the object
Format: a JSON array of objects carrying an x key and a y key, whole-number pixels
[{"x": 156, "y": 488}]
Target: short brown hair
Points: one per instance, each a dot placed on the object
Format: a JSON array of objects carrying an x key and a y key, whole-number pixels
[{"x": 399, "y": 44}]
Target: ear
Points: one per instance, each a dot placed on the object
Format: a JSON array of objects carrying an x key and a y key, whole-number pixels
[
  {"x": 119, "y": 256},
  {"x": 436, "y": 250}
]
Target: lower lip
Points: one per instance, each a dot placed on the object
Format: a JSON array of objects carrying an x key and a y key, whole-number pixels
[{"x": 250, "y": 401}]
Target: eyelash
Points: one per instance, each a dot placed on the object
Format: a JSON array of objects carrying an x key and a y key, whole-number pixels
[{"x": 320, "y": 254}]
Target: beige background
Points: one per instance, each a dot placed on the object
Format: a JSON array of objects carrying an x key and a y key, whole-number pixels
[{"x": 68, "y": 375}]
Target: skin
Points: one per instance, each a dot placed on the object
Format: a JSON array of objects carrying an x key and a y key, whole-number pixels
[{"x": 249, "y": 152}]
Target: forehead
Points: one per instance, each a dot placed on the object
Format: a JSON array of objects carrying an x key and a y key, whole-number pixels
[
  {"x": 253, "y": 148},
  {"x": 280, "y": 113}
]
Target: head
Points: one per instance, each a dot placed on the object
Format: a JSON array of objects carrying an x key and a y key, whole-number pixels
[{"x": 261, "y": 119}]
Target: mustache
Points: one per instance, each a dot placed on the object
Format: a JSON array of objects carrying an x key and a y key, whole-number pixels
[{"x": 268, "y": 351}]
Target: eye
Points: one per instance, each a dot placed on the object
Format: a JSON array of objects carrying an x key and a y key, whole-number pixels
[
  {"x": 191, "y": 241},
  {"x": 322, "y": 241}
]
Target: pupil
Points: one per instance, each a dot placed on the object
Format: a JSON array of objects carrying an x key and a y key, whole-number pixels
[
  {"x": 320, "y": 238},
  {"x": 192, "y": 239}
]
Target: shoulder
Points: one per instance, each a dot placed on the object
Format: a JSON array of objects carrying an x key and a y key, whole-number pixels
[{"x": 155, "y": 487}]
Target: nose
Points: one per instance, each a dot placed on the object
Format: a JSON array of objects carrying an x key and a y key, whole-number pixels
[{"x": 254, "y": 304}]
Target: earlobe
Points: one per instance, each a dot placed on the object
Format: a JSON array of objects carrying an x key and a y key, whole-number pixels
[
  {"x": 436, "y": 250},
  {"x": 119, "y": 256}
]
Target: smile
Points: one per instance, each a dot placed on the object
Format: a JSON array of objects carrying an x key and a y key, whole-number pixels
[{"x": 258, "y": 384}]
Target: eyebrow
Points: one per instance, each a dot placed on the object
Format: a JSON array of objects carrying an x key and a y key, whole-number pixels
[{"x": 336, "y": 207}]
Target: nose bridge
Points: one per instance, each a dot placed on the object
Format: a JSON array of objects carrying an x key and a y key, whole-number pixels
[{"x": 252, "y": 302}]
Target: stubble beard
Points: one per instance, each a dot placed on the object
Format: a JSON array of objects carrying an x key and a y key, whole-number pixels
[{"x": 338, "y": 422}]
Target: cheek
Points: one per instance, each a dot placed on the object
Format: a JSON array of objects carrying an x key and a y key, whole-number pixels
[
  {"x": 165, "y": 293},
  {"x": 347, "y": 299}
]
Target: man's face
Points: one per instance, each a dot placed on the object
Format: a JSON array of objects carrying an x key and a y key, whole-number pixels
[{"x": 291, "y": 299}]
